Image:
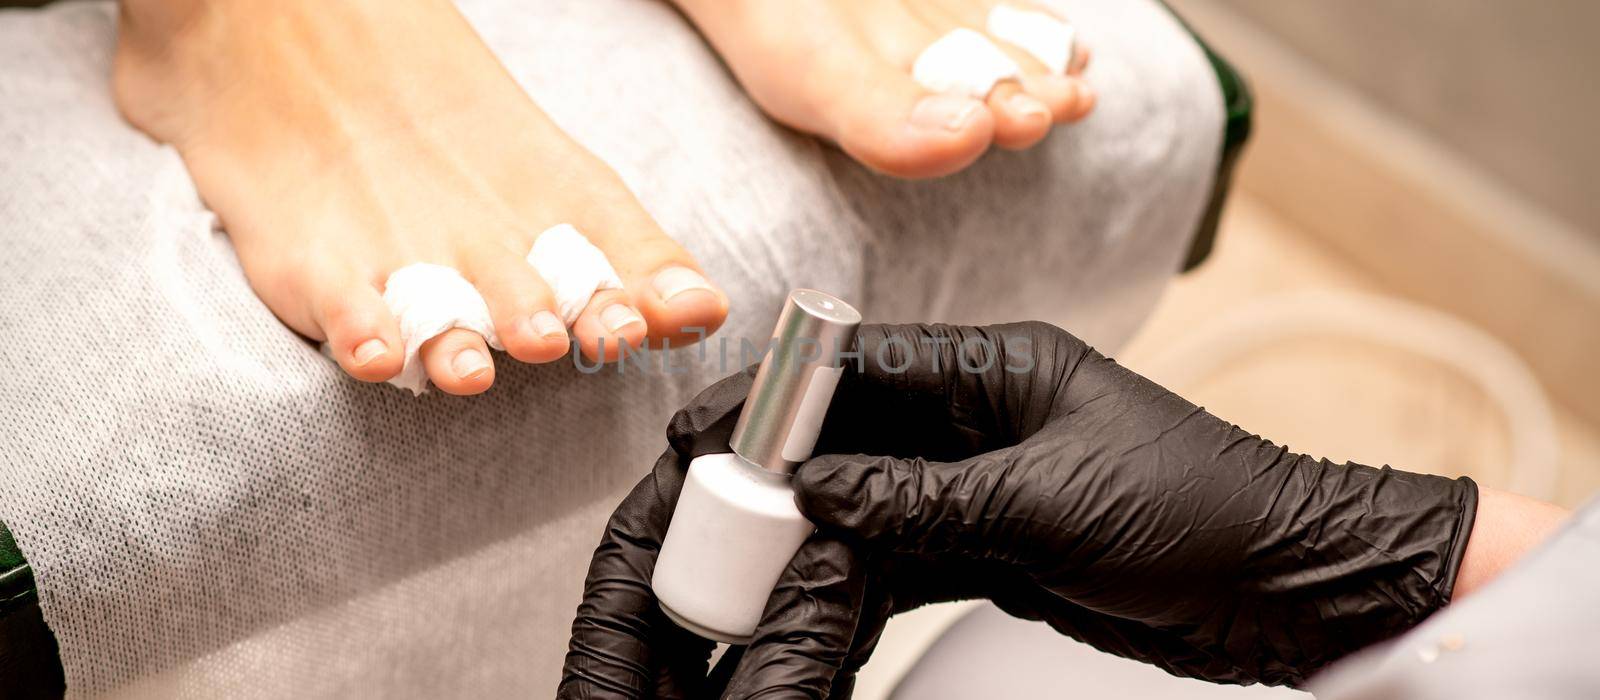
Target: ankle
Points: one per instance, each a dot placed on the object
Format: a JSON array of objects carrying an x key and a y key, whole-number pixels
[
  {"x": 151, "y": 82},
  {"x": 150, "y": 21}
]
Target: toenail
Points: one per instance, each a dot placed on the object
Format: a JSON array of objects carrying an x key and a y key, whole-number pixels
[
  {"x": 618, "y": 316},
  {"x": 1075, "y": 90},
  {"x": 369, "y": 351},
  {"x": 673, "y": 281},
  {"x": 548, "y": 325},
  {"x": 948, "y": 112},
  {"x": 1025, "y": 105},
  {"x": 469, "y": 363}
]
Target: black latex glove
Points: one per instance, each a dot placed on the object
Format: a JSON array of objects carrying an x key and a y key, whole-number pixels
[
  {"x": 1075, "y": 492},
  {"x": 623, "y": 646}
]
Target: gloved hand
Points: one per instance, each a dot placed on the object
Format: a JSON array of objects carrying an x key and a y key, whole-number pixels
[
  {"x": 1016, "y": 464},
  {"x": 623, "y": 646}
]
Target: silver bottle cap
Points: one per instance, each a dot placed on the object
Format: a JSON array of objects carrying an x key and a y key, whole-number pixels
[{"x": 790, "y": 394}]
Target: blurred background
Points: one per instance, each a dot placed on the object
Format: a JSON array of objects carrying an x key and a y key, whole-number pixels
[{"x": 1408, "y": 272}]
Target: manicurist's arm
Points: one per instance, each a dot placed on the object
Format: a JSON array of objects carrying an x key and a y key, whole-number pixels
[
  {"x": 1507, "y": 527},
  {"x": 1016, "y": 464}
]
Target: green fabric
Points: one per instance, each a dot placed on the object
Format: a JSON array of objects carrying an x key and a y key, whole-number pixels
[
  {"x": 1240, "y": 106},
  {"x": 16, "y": 578},
  {"x": 30, "y": 664}
]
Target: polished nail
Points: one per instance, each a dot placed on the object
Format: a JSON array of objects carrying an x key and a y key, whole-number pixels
[
  {"x": 618, "y": 316},
  {"x": 369, "y": 351},
  {"x": 469, "y": 363},
  {"x": 548, "y": 325},
  {"x": 948, "y": 112},
  {"x": 673, "y": 281}
]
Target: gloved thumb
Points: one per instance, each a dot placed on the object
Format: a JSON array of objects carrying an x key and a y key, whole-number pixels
[
  {"x": 806, "y": 633},
  {"x": 909, "y": 505}
]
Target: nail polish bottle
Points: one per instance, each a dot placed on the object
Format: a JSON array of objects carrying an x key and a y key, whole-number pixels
[{"x": 736, "y": 525}]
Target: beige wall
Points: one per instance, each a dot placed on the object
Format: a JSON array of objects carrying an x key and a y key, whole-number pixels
[{"x": 1514, "y": 85}]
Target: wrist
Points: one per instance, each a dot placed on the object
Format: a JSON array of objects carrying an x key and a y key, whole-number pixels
[
  {"x": 1505, "y": 528},
  {"x": 1368, "y": 553}
]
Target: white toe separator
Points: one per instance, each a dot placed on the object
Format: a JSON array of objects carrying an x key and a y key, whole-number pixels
[
  {"x": 1042, "y": 35},
  {"x": 428, "y": 299},
  {"x": 573, "y": 268},
  {"x": 963, "y": 62}
]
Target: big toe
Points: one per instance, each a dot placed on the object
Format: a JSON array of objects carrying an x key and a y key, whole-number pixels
[
  {"x": 679, "y": 304},
  {"x": 873, "y": 108},
  {"x": 903, "y": 130}
]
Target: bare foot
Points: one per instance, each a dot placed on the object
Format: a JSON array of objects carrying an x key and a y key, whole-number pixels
[
  {"x": 841, "y": 69},
  {"x": 340, "y": 140}
]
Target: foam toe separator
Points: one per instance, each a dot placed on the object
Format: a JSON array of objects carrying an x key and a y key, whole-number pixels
[
  {"x": 428, "y": 299},
  {"x": 1041, "y": 35},
  {"x": 963, "y": 62}
]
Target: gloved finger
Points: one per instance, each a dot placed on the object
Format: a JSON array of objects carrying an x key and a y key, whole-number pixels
[
  {"x": 948, "y": 392},
  {"x": 899, "y": 583},
  {"x": 807, "y": 629},
  {"x": 704, "y": 425},
  {"x": 879, "y": 604},
  {"x": 681, "y": 661},
  {"x": 722, "y": 675},
  {"x": 621, "y": 642},
  {"x": 915, "y": 505}
]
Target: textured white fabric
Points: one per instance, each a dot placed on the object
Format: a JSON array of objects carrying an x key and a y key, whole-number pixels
[
  {"x": 963, "y": 62},
  {"x": 430, "y": 299},
  {"x": 1043, "y": 36},
  {"x": 573, "y": 268},
  {"x": 213, "y": 509}
]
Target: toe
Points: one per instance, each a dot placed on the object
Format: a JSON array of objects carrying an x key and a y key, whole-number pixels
[
  {"x": 682, "y": 302},
  {"x": 521, "y": 305},
  {"x": 911, "y": 133},
  {"x": 1071, "y": 98},
  {"x": 665, "y": 284},
  {"x": 362, "y": 335},
  {"x": 1062, "y": 94},
  {"x": 1020, "y": 119},
  {"x": 609, "y": 326},
  {"x": 1080, "y": 60},
  {"x": 883, "y": 118},
  {"x": 842, "y": 71},
  {"x": 458, "y": 362},
  {"x": 1084, "y": 102}
]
